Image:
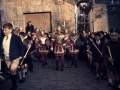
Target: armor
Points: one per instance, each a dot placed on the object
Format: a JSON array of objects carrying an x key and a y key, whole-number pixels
[
  {"x": 73, "y": 39},
  {"x": 58, "y": 44},
  {"x": 43, "y": 49},
  {"x": 59, "y": 39}
]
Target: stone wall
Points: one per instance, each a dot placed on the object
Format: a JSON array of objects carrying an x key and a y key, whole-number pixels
[
  {"x": 103, "y": 20},
  {"x": 100, "y": 18},
  {"x": 12, "y": 11}
]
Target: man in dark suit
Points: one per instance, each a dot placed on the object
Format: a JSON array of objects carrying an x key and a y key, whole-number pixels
[
  {"x": 29, "y": 27},
  {"x": 12, "y": 52},
  {"x": 96, "y": 48}
]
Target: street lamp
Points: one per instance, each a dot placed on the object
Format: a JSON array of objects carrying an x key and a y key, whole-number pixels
[{"x": 83, "y": 5}]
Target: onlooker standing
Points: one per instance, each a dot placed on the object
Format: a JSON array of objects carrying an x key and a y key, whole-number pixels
[
  {"x": 29, "y": 27},
  {"x": 112, "y": 60},
  {"x": 13, "y": 51}
]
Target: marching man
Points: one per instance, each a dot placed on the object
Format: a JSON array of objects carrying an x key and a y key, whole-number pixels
[
  {"x": 67, "y": 44},
  {"x": 58, "y": 45},
  {"x": 43, "y": 50},
  {"x": 73, "y": 51}
]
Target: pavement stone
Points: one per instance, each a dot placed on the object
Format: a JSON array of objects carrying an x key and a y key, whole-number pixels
[{"x": 47, "y": 78}]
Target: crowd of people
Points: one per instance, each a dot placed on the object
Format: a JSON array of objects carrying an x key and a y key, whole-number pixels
[{"x": 100, "y": 51}]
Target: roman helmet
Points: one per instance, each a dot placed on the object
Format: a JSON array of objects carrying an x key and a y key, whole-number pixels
[{"x": 66, "y": 31}]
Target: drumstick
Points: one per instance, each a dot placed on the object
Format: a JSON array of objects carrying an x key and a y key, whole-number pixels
[
  {"x": 110, "y": 53},
  {"x": 25, "y": 54}
]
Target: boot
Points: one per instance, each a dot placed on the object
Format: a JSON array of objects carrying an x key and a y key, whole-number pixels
[
  {"x": 62, "y": 67},
  {"x": 14, "y": 82},
  {"x": 43, "y": 62},
  {"x": 57, "y": 65},
  {"x": 72, "y": 63},
  {"x": 76, "y": 64}
]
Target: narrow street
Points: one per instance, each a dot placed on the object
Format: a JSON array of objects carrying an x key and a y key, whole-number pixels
[{"x": 47, "y": 78}]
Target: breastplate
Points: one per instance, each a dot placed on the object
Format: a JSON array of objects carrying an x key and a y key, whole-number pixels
[
  {"x": 59, "y": 39},
  {"x": 73, "y": 39},
  {"x": 42, "y": 40}
]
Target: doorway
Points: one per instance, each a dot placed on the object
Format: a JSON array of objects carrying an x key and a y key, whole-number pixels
[{"x": 39, "y": 20}]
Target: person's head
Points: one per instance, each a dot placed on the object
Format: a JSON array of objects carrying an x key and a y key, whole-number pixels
[
  {"x": 7, "y": 29},
  {"x": 92, "y": 35},
  {"x": 59, "y": 30},
  {"x": 29, "y": 33},
  {"x": 101, "y": 33},
  {"x": 114, "y": 34},
  {"x": 66, "y": 31},
  {"x": 42, "y": 32},
  {"x": 73, "y": 32},
  {"x": 22, "y": 35},
  {"x": 29, "y": 23},
  {"x": 16, "y": 31},
  {"x": 107, "y": 38},
  {"x": 97, "y": 36}
]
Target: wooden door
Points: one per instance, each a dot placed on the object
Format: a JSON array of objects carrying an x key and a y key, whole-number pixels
[{"x": 39, "y": 20}]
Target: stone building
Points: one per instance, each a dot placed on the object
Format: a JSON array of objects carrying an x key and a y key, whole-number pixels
[{"x": 47, "y": 14}]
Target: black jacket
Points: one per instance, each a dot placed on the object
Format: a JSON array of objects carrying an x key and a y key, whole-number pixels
[
  {"x": 16, "y": 47},
  {"x": 30, "y": 29}
]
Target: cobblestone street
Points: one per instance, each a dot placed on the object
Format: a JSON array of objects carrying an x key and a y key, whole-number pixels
[{"x": 47, "y": 78}]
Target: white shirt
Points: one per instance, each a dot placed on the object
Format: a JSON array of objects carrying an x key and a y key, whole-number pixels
[
  {"x": 6, "y": 44},
  {"x": 98, "y": 42}
]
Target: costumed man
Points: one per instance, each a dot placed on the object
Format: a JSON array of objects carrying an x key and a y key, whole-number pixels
[
  {"x": 96, "y": 48},
  {"x": 16, "y": 31},
  {"x": 67, "y": 44},
  {"x": 111, "y": 54},
  {"x": 12, "y": 52},
  {"x": 37, "y": 44},
  {"x": 21, "y": 68},
  {"x": 37, "y": 32},
  {"x": 58, "y": 44},
  {"x": 73, "y": 51},
  {"x": 43, "y": 50}
]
